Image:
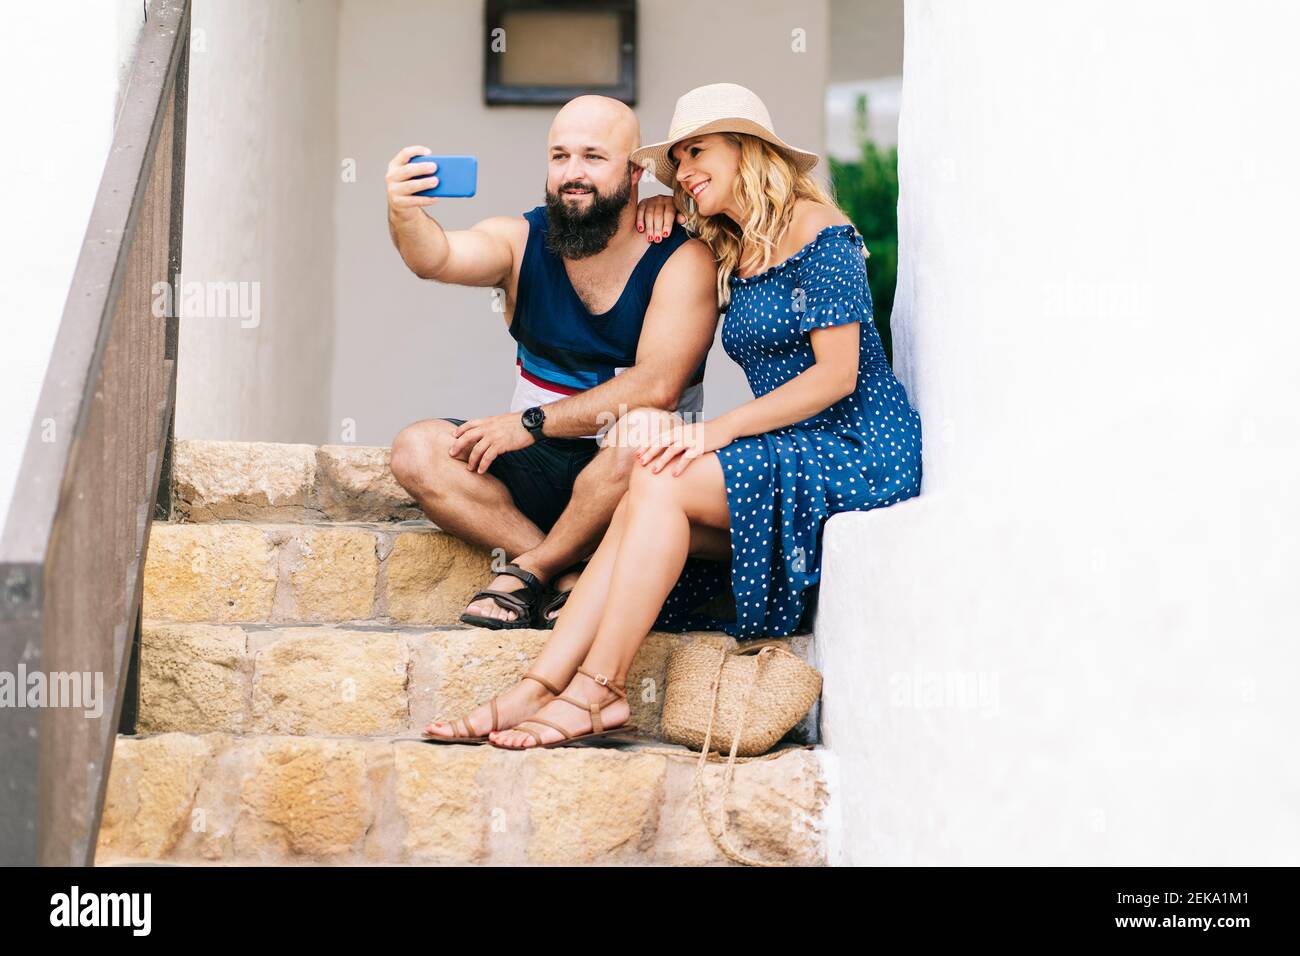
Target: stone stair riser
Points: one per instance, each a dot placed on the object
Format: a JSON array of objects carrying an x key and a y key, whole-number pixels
[
  {"x": 264, "y": 481},
  {"x": 310, "y": 573},
  {"x": 217, "y": 798},
  {"x": 199, "y": 678}
]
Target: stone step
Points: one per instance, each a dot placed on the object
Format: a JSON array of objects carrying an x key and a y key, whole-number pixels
[
  {"x": 219, "y": 798},
  {"x": 266, "y": 481},
  {"x": 236, "y": 572},
  {"x": 199, "y": 678}
]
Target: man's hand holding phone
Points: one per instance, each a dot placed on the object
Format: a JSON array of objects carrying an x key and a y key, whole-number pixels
[
  {"x": 481, "y": 255},
  {"x": 415, "y": 174},
  {"x": 405, "y": 179}
]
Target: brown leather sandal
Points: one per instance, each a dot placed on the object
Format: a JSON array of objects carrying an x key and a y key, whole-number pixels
[
  {"x": 593, "y": 710},
  {"x": 470, "y": 737},
  {"x": 557, "y": 599}
]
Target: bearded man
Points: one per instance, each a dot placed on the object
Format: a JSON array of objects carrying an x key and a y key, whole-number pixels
[{"x": 610, "y": 330}]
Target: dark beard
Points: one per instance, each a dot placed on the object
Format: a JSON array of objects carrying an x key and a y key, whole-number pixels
[{"x": 577, "y": 235}]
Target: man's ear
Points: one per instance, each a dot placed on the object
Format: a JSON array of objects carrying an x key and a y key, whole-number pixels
[{"x": 636, "y": 171}]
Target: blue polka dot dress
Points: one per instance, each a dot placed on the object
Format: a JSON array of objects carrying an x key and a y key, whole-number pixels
[{"x": 862, "y": 452}]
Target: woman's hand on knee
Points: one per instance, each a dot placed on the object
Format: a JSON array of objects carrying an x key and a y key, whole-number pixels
[{"x": 683, "y": 445}]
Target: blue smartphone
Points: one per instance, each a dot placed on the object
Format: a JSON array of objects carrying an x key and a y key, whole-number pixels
[{"x": 457, "y": 175}]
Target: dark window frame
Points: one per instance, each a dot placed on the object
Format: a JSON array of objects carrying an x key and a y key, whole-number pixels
[{"x": 498, "y": 93}]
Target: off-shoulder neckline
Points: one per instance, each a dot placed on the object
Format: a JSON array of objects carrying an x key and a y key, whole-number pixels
[{"x": 801, "y": 254}]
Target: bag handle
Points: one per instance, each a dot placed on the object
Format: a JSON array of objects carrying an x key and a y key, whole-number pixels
[
  {"x": 720, "y": 839},
  {"x": 758, "y": 646}
]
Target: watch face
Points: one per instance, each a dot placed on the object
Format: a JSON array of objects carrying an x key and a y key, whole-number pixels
[{"x": 532, "y": 417}]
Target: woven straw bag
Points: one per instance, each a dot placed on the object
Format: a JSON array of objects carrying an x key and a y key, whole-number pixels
[
  {"x": 753, "y": 700},
  {"x": 766, "y": 685}
]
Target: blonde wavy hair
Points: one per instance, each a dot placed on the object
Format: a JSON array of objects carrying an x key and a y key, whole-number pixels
[{"x": 766, "y": 188}]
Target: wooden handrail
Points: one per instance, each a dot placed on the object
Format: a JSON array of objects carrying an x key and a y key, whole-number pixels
[{"x": 73, "y": 547}]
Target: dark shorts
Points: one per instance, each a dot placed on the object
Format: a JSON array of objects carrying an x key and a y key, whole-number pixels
[{"x": 540, "y": 477}]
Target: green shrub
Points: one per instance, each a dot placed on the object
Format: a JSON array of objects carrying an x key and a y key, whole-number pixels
[{"x": 868, "y": 191}]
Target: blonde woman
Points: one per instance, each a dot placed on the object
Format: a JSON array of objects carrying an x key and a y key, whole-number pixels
[{"x": 745, "y": 494}]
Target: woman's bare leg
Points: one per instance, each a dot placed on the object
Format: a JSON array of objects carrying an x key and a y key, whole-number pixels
[
  {"x": 653, "y": 543},
  {"x": 575, "y": 628},
  {"x": 573, "y": 631}
]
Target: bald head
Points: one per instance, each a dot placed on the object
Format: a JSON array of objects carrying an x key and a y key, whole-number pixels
[
  {"x": 592, "y": 120},
  {"x": 591, "y": 183}
]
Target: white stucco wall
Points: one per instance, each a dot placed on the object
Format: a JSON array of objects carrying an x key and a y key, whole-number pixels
[
  {"x": 261, "y": 166},
  {"x": 59, "y": 110},
  {"x": 1097, "y": 322}
]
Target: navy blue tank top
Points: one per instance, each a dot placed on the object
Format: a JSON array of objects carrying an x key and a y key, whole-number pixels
[{"x": 562, "y": 348}]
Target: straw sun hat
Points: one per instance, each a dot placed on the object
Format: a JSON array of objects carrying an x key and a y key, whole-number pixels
[{"x": 716, "y": 108}]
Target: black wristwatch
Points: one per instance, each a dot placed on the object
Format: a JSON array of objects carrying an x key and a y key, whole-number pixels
[{"x": 533, "y": 419}]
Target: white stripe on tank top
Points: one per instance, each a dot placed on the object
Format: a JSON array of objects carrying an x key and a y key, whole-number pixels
[{"x": 527, "y": 394}]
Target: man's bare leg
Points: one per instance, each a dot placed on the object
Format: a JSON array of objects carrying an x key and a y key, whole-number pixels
[
  {"x": 473, "y": 507},
  {"x": 478, "y": 508}
]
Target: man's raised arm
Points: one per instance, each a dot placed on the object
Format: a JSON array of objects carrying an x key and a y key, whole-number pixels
[
  {"x": 678, "y": 330},
  {"x": 482, "y": 255}
]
